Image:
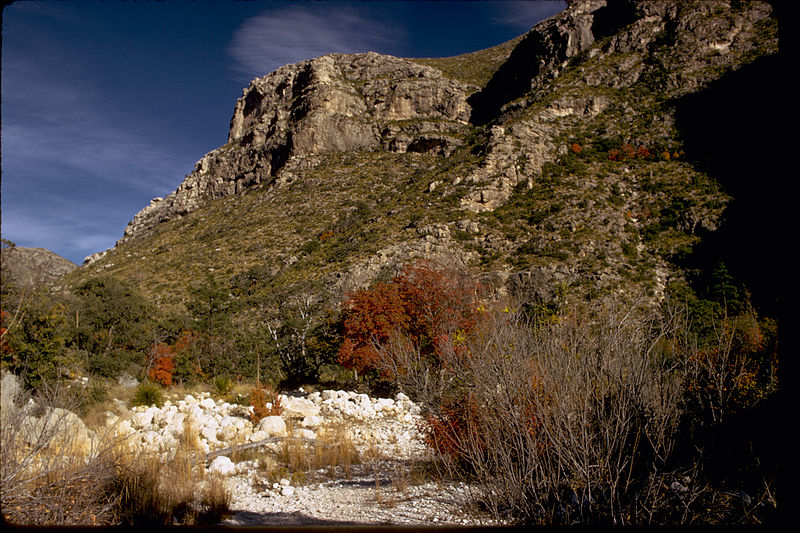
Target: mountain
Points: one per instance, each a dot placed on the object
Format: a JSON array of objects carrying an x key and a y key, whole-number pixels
[
  {"x": 33, "y": 266},
  {"x": 563, "y": 164}
]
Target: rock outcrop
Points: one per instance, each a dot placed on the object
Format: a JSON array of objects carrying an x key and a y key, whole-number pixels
[
  {"x": 342, "y": 102},
  {"x": 678, "y": 47},
  {"x": 333, "y": 103},
  {"x": 34, "y": 266},
  {"x": 360, "y": 163}
]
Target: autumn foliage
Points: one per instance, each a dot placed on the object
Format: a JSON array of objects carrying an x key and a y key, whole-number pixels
[
  {"x": 259, "y": 397},
  {"x": 163, "y": 365},
  {"x": 167, "y": 358},
  {"x": 432, "y": 309}
]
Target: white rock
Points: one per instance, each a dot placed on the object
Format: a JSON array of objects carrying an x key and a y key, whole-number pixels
[
  {"x": 315, "y": 397},
  {"x": 301, "y": 433},
  {"x": 287, "y": 491},
  {"x": 209, "y": 433},
  {"x": 311, "y": 421},
  {"x": 299, "y": 406},
  {"x": 329, "y": 395},
  {"x": 257, "y": 436},
  {"x": 272, "y": 425},
  {"x": 143, "y": 419},
  {"x": 400, "y": 397},
  {"x": 207, "y": 403},
  {"x": 222, "y": 465}
]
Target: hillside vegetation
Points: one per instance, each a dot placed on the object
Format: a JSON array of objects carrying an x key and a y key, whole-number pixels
[{"x": 518, "y": 238}]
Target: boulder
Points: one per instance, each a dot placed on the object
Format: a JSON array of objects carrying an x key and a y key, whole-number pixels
[
  {"x": 10, "y": 389},
  {"x": 60, "y": 430},
  {"x": 222, "y": 465},
  {"x": 295, "y": 407},
  {"x": 273, "y": 426}
]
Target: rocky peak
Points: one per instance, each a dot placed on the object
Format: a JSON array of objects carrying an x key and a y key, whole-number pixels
[
  {"x": 333, "y": 103},
  {"x": 33, "y": 266},
  {"x": 603, "y": 48}
]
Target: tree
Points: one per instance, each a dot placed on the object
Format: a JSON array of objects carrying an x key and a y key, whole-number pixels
[
  {"x": 113, "y": 322},
  {"x": 411, "y": 326},
  {"x": 299, "y": 327},
  {"x": 210, "y": 306}
]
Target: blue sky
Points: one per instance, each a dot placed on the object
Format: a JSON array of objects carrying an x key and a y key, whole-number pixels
[{"x": 106, "y": 105}]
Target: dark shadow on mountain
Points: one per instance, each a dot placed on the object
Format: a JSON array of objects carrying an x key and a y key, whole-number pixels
[
  {"x": 734, "y": 132},
  {"x": 539, "y": 51},
  {"x": 737, "y": 131}
]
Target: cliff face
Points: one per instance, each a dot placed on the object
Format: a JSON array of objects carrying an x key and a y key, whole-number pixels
[
  {"x": 35, "y": 267},
  {"x": 571, "y": 166},
  {"x": 368, "y": 101},
  {"x": 333, "y": 103},
  {"x": 635, "y": 57}
]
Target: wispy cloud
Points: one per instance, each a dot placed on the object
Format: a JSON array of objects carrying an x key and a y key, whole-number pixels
[
  {"x": 60, "y": 123},
  {"x": 293, "y": 33},
  {"x": 76, "y": 166},
  {"x": 524, "y": 15}
]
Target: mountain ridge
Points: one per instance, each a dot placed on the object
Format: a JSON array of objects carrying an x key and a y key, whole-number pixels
[{"x": 530, "y": 191}]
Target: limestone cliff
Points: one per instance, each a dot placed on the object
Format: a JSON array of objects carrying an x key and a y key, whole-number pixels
[
  {"x": 337, "y": 102},
  {"x": 368, "y": 101},
  {"x": 574, "y": 165}
]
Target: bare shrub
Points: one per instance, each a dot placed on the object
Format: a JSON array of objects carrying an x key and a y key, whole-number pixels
[
  {"x": 563, "y": 421},
  {"x": 54, "y": 475}
]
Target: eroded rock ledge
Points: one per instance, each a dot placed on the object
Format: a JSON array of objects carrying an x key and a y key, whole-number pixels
[{"x": 333, "y": 103}]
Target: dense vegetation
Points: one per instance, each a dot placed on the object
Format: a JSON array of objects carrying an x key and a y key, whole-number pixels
[
  {"x": 599, "y": 413},
  {"x": 640, "y": 389}
]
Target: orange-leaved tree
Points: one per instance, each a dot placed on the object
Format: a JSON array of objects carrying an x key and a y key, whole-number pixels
[
  {"x": 417, "y": 319},
  {"x": 163, "y": 364}
]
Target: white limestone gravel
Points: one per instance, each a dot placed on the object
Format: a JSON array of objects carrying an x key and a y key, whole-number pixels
[
  {"x": 355, "y": 500},
  {"x": 379, "y": 491}
]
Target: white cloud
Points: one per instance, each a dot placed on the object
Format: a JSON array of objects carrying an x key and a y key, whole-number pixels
[
  {"x": 294, "y": 33},
  {"x": 524, "y": 15},
  {"x": 62, "y": 124},
  {"x": 60, "y": 232}
]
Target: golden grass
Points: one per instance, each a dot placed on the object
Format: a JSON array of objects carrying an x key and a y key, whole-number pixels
[{"x": 45, "y": 482}]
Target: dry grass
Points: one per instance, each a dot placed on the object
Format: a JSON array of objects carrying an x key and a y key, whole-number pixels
[
  {"x": 333, "y": 452},
  {"x": 49, "y": 478}
]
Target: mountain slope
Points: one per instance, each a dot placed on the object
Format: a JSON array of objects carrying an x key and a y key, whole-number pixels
[
  {"x": 565, "y": 174},
  {"x": 28, "y": 267}
]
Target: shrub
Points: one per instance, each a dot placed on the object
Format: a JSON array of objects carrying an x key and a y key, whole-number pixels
[
  {"x": 427, "y": 309},
  {"x": 147, "y": 394},
  {"x": 163, "y": 365},
  {"x": 223, "y": 385},
  {"x": 266, "y": 402},
  {"x": 561, "y": 420}
]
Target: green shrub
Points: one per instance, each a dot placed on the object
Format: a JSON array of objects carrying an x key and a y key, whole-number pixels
[
  {"x": 223, "y": 385},
  {"x": 147, "y": 394}
]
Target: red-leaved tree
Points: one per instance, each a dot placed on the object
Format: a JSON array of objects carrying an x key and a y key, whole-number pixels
[{"x": 420, "y": 317}]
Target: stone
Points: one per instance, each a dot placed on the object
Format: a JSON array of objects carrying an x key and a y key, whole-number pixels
[
  {"x": 222, "y": 465},
  {"x": 311, "y": 421},
  {"x": 298, "y": 407},
  {"x": 302, "y": 433},
  {"x": 65, "y": 431},
  {"x": 10, "y": 390},
  {"x": 273, "y": 426},
  {"x": 333, "y": 103}
]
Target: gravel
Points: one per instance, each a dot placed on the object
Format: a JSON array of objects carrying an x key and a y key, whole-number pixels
[{"x": 370, "y": 495}]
